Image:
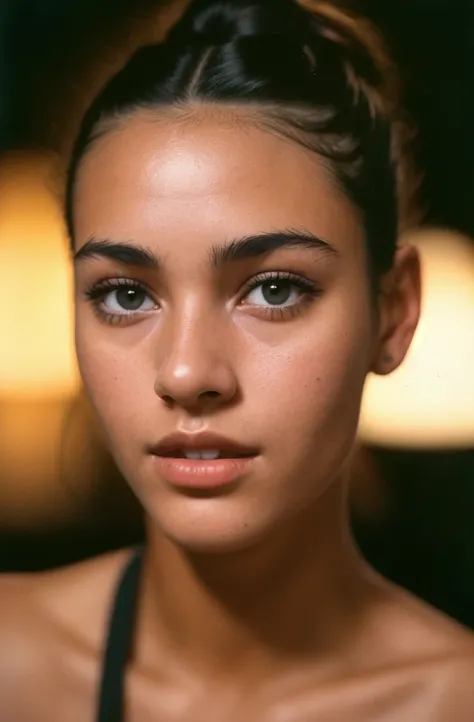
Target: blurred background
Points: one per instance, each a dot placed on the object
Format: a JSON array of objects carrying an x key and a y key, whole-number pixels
[{"x": 61, "y": 498}]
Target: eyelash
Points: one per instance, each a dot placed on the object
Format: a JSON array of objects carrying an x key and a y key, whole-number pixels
[
  {"x": 308, "y": 288},
  {"x": 98, "y": 291},
  {"x": 282, "y": 313}
]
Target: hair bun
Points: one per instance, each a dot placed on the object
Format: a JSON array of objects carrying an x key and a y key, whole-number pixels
[{"x": 211, "y": 22}]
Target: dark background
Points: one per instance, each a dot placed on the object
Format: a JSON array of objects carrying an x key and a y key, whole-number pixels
[
  {"x": 50, "y": 53},
  {"x": 52, "y": 45}
]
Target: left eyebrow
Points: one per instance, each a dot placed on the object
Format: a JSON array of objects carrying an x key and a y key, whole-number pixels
[{"x": 263, "y": 244}]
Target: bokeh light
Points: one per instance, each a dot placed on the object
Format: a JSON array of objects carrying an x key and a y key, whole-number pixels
[
  {"x": 36, "y": 343},
  {"x": 429, "y": 401}
]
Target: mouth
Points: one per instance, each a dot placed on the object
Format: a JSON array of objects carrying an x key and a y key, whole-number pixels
[
  {"x": 203, "y": 461},
  {"x": 204, "y": 454},
  {"x": 204, "y": 446}
]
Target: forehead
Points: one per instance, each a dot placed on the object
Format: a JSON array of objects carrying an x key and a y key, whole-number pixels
[{"x": 220, "y": 174}]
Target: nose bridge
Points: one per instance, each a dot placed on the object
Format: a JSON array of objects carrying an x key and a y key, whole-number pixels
[
  {"x": 192, "y": 337},
  {"x": 193, "y": 358}
]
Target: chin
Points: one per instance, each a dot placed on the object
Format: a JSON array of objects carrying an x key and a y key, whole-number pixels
[
  {"x": 215, "y": 546},
  {"x": 207, "y": 527},
  {"x": 206, "y": 543}
]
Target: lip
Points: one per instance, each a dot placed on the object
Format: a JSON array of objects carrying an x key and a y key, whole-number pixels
[
  {"x": 180, "y": 441},
  {"x": 202, "y": 473}
]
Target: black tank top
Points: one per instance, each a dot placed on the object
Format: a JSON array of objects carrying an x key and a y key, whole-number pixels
[{"x": 118, "y": 643}]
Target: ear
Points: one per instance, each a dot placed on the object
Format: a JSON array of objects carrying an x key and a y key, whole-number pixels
[{"x": 399, "y": 306}]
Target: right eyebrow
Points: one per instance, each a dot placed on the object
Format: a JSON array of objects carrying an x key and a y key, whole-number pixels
[{"x": 125, "y": 253}]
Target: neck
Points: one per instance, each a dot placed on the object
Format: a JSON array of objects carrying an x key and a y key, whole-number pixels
[{"x": 290, "y": 600}]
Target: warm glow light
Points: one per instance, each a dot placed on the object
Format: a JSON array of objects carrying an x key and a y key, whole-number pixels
[
  {"x": 429, "y": 401},
  {"x": 36, "y": 322}
]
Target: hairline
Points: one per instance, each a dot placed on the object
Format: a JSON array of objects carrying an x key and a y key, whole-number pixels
[{"x": 265, "y": 117}]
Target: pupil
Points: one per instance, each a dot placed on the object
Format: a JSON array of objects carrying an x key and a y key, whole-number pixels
[
  {"x": 276, "y": 292},
  {"x": 130, "y": 298}
]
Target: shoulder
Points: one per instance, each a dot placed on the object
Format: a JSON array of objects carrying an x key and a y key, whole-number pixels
[
  {"x": 447, "y": 684},
  {"x": 431, "y": 654},
  {"x": 50, "y": 620},
  {"x": 71, "y": 597},
  {"x": 420, "y": 629}
]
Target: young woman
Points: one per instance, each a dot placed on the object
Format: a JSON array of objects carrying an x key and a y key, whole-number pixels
[{"x": 234, "y": 200}]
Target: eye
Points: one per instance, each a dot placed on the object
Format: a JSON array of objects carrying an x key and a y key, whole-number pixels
[
  {"x": 278, "y": 290},
  {"x": 127, "y": 299},
  {"x": 115, "y": 298}
]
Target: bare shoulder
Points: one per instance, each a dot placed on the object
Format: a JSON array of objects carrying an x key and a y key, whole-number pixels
[
  {"x": 66, "y": 597},
  {"x": 423, "y": 631},
  {"x": 52, "y": 619},
  {"x": 426, "y": 646},
  {"x": 446, "y": 684}
]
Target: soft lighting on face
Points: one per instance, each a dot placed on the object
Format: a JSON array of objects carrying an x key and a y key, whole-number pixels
[
  {"x": 429, "y": 401},
  {"x": 36, "y": 320}
]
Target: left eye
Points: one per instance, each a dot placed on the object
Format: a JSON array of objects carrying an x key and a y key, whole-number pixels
[{"x": 274, "y": 292}]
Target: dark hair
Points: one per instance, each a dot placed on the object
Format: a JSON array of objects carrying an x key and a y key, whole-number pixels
[{"x": 309, "y": 70}]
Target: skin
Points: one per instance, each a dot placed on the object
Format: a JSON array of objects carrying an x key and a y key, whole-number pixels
[{"x": 254, "y": 603}]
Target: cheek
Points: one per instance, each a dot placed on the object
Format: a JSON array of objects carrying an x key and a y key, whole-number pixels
[
  {"x": 312, "y": 385},
  {"x": 115, "y": 384}
]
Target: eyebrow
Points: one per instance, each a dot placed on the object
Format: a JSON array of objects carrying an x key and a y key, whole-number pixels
[
  {"x": 127, "y": 253},
  {"x": 264, "y": 243},
  {"x": 252, "y": 246}
]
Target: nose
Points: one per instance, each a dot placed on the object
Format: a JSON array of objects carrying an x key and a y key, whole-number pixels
[{"x": 195, "y": 368}]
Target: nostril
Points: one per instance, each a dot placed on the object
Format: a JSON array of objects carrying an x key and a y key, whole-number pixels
[
  {"x": 169, "y": 399},
  {"x": 209, "y": 394}
]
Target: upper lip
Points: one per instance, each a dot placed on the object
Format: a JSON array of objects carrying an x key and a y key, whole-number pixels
[{"x": 180, "y": 441}]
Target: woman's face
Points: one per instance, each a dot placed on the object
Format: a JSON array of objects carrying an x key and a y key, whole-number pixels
[{"x": 239, "y": 305}]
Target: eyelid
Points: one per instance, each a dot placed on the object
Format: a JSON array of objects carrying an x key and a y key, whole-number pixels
[
  {"x": 100, "y": 288},
  {"x": 107, "y": 285},
  {"x": 265, "y": 276}
]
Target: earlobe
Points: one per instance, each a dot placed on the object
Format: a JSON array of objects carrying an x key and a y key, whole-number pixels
[
  {"x": 399, "y": 311},
  {"x": 384, "y": 364}
]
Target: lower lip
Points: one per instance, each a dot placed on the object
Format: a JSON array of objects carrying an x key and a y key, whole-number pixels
[{"x": 202, "y": 474}]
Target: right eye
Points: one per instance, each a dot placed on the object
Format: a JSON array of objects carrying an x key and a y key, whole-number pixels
[{"x": 120, "y": 298}]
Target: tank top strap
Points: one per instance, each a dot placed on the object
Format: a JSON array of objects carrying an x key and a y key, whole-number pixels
[{"x": 118, "y": 643}]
